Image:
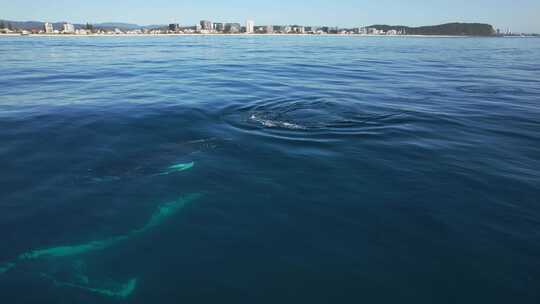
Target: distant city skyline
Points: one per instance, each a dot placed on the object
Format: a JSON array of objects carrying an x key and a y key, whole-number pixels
[{"x": 519, "y": 15}]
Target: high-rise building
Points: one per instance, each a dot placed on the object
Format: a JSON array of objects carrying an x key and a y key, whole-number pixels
[
  {"x": 278, "y": 28},
  {"x": 269, "y": 29},
  {"x": 250, "y": 26},
  {"x": 298, "y": 29},
  {"x": 174, "y": 27},
  {"x": 48, "y": 27},
  {"x": 219, "y": 27},
  {"x": 233, "y": 27},
  {"x": 206, "y": 25},
  {"x": 287, "y": 29},
  {"x": 68, "y": 28}
]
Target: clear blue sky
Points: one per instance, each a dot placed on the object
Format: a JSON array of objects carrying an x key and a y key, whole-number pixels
[{"x": 519, "y": 15}]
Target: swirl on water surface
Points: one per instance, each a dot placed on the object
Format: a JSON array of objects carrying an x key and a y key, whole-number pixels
[{"x": 313, "y": 116}]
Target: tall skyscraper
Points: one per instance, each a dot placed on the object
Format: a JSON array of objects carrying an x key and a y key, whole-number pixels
[
  {"x": 250, "y": 26},
  {"x": 48, "y": 27},
  {"x": 206, "y": 25}
]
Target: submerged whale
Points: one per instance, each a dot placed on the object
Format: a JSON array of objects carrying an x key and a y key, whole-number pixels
[
  {"x": 163, "y": 212},
  {"x": 57, "y": 253}
]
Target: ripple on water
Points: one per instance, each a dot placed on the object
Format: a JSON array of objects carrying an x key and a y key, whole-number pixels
[{"x": 318, "y": 117}]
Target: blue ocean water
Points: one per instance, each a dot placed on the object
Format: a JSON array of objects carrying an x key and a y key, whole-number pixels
[{"x": 273, "y": 169}]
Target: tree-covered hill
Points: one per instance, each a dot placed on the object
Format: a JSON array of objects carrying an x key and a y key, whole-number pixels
[{"x": 450, "y": 29}]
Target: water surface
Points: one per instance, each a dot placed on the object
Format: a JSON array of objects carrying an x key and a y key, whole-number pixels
[{"x": 204, "y": 169}]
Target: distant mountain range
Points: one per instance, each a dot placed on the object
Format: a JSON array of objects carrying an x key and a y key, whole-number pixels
[
  {"x": 31, "y": 25},
  {"x": 450, "y": 29}
]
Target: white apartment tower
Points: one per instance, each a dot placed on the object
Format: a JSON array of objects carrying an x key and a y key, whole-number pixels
[
  {"x": 48, "y": 27},
  {"x": 250, "y": 26},
  {"x": 69, "y": 28}
]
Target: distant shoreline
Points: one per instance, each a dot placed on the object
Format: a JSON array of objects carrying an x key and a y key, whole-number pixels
[{"x": 258, "y": 35}]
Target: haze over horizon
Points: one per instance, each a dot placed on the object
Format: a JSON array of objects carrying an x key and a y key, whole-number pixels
[{"x": 519, "y": 16}]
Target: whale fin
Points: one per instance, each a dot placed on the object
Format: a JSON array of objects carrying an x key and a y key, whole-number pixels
[
  {"x": 178, "y": 168},
  {"x": 114, "y": 290}
]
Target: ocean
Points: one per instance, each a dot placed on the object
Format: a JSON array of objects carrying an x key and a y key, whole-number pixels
[{"x": 269, "y": 169}]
